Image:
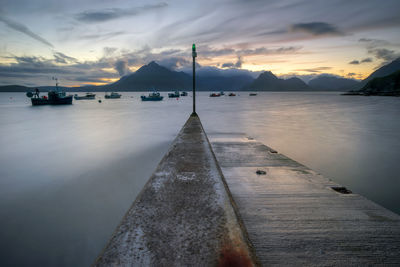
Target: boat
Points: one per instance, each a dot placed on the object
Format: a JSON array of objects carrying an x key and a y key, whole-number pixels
[
  {"x": 155, "y": 96},
  {"x": 232, "y": 94},
  {"x": 113, "y": 95},
  {"x": 88, "y": 96},
  {"x": 54, "y": 97},
  {"x": 252, "y": 94},
  {"x": 174, "y": 94},
  {"x": 222, "y": 93},
  {"x": 215, "y": 95},
  {"x": 184, "y": 93}
]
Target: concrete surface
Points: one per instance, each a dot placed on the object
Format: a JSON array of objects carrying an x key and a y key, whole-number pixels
[
  {"x": 183, "y": 216},
  {"x": 294, "y": 218}
]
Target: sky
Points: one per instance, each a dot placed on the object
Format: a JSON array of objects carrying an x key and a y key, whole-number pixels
[{"x": 84, "y": 42}]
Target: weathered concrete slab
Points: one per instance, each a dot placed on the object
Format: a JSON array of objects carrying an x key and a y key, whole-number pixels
[
  {"x": 294, "y": 218},
  {"x": 183, "y": 216}
]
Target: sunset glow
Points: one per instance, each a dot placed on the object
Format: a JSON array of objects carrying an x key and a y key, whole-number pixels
[{"x": 97, "y": 42}]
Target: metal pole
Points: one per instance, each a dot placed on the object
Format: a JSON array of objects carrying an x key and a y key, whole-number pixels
[{"x": 194, "y": 55}]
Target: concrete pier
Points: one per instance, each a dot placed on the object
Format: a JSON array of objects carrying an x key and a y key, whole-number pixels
[
  {"x": 183, "y": 216},
  {"x": 228, "y": 200},
  {"x": 294, "y": 217}
]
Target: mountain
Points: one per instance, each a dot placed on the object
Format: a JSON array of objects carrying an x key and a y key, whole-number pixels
[
  {"x": 296, "y": 83},
  {"x": 267, "y": 81},
  {"x": 161, "y": 78},
  {"x": 332, "y": 83},
  {"x": 381, "y": 72},
  {"x": 388, "y": 85},
  {"x": 152, "y": 76}
]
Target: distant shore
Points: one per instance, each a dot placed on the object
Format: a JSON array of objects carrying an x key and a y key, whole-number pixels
[{"x": 362, "y": 93}]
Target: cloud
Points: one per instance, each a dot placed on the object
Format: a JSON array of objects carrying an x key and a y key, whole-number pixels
[
  {"x": 72, "y": 71},
  {"x": 372, "y": 41},
  {"x": 24, "y": 29},
  {"x": 354, "y": 76},
  {"x": 101, "y": 36},
  {"x": 62, "y": 58},
  {"x": 357, "y": 62},
  {"x": 273, "y": 32},
  {"x": 174, "y": 62},
  {"x": 366, "y": 60},
  {"x": 109, "y": 51},
  {"x": 269, "y": 51},
  {"x": 122, "y": 67},
  {"x": 207, "y": 51},
  {"x": 238, "y": 63},
  {"x": 93, "y": 16},
  {"x": 39, "y": 69},
  {"x": 316, "y": 28},
  {"x": 228, "y": 65},
  {"x": 170, "y": 52},
  {"x": 204, "y": 71},
  {"x": 377, "y": 48},
  {"x": 315, "y": 70},
  {"x": 383, "y": 53}
]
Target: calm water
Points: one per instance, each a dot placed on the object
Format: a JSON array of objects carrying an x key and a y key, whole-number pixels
[{"x": 69, "y": 173}]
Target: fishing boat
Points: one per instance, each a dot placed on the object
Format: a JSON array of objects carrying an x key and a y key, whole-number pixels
[
  {"x": 215, "y": 95},
  {"x": 174, "y": 94},
  {"x": 232, "y": 94},
  {"x": 112, "y": 95},
  {"x": 184, "y": 94},
  {"x": 88, "y": 96},
  {"x": 155, "y": 96},
  {"x": 252, "y": 94},
  {"x": 54, "y": 97}
]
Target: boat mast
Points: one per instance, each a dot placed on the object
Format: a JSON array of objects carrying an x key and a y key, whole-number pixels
[{"x": 56, "y": 79}]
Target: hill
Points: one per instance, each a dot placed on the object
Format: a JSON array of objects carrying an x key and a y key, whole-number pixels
[
  {"x": 388, "y": 85},
  {"x": 267, "y": 81},
  {"x": 152, "y": 76},
  {"x": 381, "y": 72},
  {"x": 14, "y": 88},
  {"x": 332, "y": 83}
]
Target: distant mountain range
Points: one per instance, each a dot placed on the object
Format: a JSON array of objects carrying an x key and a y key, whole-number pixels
[
  {"x": 267, "y": 81},
  {"x": 160, "y": 78},
  {"x": 332, "y": 83},
  {"x": 20, "y": 88},
  {"x": 153, "y": 76}
]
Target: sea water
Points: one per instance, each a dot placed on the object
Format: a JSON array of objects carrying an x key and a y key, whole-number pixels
[{"x": 69, "y": 173}]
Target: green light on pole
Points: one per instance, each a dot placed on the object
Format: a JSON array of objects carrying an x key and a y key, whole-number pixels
[{"x": 194, "y": 54}]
